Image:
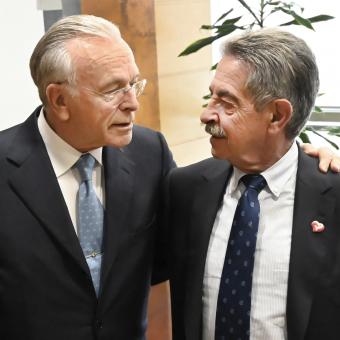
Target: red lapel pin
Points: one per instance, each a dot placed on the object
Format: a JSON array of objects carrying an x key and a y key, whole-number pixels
[{"x": 317, "y": 227}]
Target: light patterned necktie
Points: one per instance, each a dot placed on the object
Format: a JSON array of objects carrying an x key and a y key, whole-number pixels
[
  {"x": 90, "y": 219},
  {"x": 234, "y": 297}
]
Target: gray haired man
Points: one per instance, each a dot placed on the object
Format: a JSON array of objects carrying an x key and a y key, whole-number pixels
[{"x": 254, "y": 230}]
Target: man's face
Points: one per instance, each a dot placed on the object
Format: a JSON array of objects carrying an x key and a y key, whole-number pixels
[
  {"x": 231, "y": 109},
  {"x": 102, "y": 66}
]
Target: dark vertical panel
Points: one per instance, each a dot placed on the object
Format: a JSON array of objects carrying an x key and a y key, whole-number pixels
[
  {"x": 50, "y": 17},
  {"x": 70, "y": 7}
]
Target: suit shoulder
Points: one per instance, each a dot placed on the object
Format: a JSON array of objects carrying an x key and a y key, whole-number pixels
[
  {"x": 308, "y": 171},
  {"x": 145, "y": 135},
  {"x": 206, "y": 165},
  {"x": 209, "y": 167},
  {"x": 6, "y": 137},
  {"x": 149, "y": 147}
]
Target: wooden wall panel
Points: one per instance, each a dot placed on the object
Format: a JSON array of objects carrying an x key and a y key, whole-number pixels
[{"x": 136, "y": 21}]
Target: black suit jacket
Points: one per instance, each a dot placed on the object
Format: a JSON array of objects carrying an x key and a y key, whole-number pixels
[
  {"x": 313, "y": 299},
  {"x": 46, "y": 290}
]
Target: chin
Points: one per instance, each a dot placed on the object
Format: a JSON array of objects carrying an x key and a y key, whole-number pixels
[{"x": 218, "y": 155}]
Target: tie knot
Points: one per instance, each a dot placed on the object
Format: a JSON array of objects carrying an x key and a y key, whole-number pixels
[
  {"x": 85, "y": 166},
  {"x": 256, "y": 182}
]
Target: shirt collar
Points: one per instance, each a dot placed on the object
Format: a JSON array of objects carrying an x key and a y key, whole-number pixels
[
  {"x": 62, "y": 155},
  {"x": 276, "y": 176}
]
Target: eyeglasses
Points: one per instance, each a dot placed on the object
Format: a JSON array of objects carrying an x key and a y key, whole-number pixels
[{"x": 116, "y": 95}]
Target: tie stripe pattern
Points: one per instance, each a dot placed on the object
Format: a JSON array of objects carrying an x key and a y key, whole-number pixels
[
  {"x": 90, "y": 219},
  {"x": 234, "y": 298}
]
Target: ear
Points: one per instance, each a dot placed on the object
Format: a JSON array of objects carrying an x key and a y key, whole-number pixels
[
  {"x": 281, "y": 114},
  {"x": 55, "y": 94}
]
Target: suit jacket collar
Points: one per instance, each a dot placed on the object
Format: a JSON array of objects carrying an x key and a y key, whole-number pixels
[
  {"x": 207, "y": 198},
  {"x": 119, "y": 171},
  {"x": 34, "y": 181}
]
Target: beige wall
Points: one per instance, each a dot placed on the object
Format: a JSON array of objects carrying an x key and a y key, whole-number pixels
[{"x": 184, "y": 80}]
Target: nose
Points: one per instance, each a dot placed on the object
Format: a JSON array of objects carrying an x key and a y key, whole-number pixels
[
  {"x": 129, "y": 102},
  {"x": 210, "y": 114}
]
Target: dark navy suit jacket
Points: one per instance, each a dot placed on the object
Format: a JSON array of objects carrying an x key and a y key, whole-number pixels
[
  {"x": 313, "y": 299},
  {"x": 45, "y": 284}
]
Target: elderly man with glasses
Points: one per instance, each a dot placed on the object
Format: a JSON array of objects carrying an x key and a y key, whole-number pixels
[{"x": 79, "y": 201}]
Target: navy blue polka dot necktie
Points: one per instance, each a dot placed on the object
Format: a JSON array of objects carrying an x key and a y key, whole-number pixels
[
  {"x": 234, "y": 297},
  {"x": 90, "y": 219}
]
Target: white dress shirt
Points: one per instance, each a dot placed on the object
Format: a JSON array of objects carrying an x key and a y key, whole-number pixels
[
  {"x": 270, "y": 276},
  {"x": 63, "y": 156}
]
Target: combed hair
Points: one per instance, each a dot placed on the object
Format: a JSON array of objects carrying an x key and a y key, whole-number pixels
[
  {"x": 280, "y": 65},
  {"x": 51, "y": 62}
]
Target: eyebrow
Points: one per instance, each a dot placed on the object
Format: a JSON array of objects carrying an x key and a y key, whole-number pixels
[
  {"x": 224, "y": 94},
  {"x": 118, "y": 82}
]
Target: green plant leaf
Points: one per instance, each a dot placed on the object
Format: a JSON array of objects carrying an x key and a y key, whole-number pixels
[
  {"x": 318, "y": 18},
  {"x": 227, "y": 29},
  {"x": 223, "y": 16},
  {"x": 207, "y": 27},
  {"x": 302, "y": 21},
  {"x": 317, "y": 109},
  {"x": 198, "y": 44},
  {"x": 304, "y": 137},
  {"x": 272, "y": 3},
  {"x": 226, "y": 23},
  {"x": 335, "y": 131},
  {"x": 231, "y": 21},
  {"x": 245, "y": 5},
  {"x": 299, "y": 19},
  {"x": 214, "y": 67}
]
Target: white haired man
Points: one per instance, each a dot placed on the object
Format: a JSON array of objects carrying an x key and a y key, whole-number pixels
[{"x": 80, "y": 202}]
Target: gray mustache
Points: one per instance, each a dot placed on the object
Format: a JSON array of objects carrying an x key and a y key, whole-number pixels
[{"x": 214, "y": 130}]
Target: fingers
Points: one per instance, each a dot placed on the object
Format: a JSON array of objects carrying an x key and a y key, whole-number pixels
[
  {"x": 335, "y": 163},
  {"x": 326, "y": 156},
  {"x": 309, "y": 149}
]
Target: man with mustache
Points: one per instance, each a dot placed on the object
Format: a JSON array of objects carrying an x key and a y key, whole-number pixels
[{"x": 254, "y": 231}]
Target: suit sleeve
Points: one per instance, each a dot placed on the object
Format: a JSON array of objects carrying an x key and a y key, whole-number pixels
[{"x": 160, "y": 271}]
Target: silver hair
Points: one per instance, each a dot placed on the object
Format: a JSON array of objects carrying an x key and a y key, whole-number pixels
[
  {"x": 51, "y": 62},
  {"x": 280, "y": 65}
]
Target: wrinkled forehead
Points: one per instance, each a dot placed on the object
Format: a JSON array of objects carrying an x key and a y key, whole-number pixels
[
  {"x": 231, "y": 74},
  {"x": 87, "y": 50},
  {"x": 101, "y": 61}
]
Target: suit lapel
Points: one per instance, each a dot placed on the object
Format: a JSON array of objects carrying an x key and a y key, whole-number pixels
[
  {"x": 308, "y": 249},
  {"x": 34, "y": 182},
  {"x": 207, "y": 198},
  {"x": 119, "y": 182}
]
